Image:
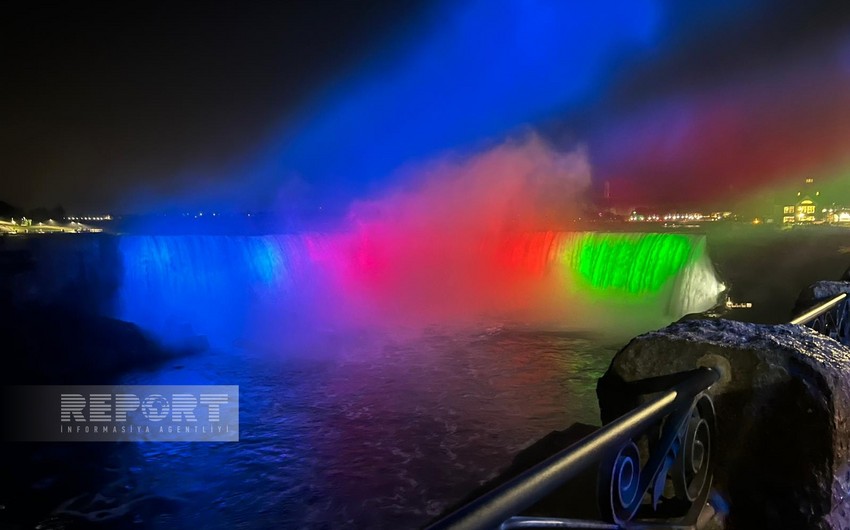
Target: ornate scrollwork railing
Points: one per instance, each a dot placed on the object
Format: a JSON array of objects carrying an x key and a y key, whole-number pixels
[
  {"x": 829, "y": 317},
  {"x": 681, "y": 456},
  {"x": 655, "y": 465}
]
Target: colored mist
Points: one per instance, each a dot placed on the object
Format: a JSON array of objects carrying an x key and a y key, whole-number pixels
[
  {"x": 468, "y": 240},
  {"x": 232, "y": 287},
  {"x": 741, "y": 144},
  {"x": 473, "y": 71},
  {"x": 664, "y": 128},
  {"x": 466, "y": 73}
]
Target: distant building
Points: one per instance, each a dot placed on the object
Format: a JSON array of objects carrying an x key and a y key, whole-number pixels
[
  {"x": 805, "y": 209},
  {"x": 641, "y": 215},
  {"x": 840, "y": 216}
]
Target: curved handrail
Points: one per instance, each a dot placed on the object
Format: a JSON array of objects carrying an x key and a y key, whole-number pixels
[
  {"x": 496, "y": 507},
  {"x": 818, "y": 310}
]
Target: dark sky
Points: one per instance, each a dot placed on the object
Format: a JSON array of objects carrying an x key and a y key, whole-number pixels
[
  {"x": 94, "y": 97},
  {"x": 101, "y": 104}
]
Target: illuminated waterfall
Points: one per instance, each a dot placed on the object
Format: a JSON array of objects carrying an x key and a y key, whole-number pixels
[
  {"x": 634, "y": 265},
  {"x": 225, "y": 284},
  {"x": 670, "y": 274}
]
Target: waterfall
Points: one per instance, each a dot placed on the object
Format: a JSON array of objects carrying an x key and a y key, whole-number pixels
[
  {"x": 227, "y": 283},
  {"x": 609, "y": 276},
  {"x": 207, "y": 283}
]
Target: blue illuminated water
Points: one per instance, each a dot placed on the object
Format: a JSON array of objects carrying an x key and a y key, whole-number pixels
[
  {"x": 347, "y": 428},
  {"x": 356, "y": 431},
  {"x": 273, "y": 286},
  {"x": 206, "y": 282},
  {"x": 341, "y": 426}
]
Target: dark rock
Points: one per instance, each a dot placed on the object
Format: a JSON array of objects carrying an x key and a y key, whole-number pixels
[
  {"x": 79, "y": 272},
  {"x": 782, "y": 408},
  {"x": 54, "y": 345}
]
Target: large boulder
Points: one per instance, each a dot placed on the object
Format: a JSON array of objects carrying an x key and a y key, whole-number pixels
[
  {"x": 53, "y": 345},
  {"x": 782, "y": 403}
]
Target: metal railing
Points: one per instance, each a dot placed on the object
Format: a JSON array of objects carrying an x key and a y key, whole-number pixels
[
  {"x": 675, "y": 427},
  {"x": 677, "y": 424},
  {"x": 829, "y": 317}
]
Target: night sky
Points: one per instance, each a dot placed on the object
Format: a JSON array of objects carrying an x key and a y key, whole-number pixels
[{"x": 251, "y": 105}]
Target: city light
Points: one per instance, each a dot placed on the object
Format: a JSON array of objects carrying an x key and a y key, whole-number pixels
[
  {"x": 679, "y": 217},
  {"x": 105, "y": 217},
  {"x": 26, "y": 226}
]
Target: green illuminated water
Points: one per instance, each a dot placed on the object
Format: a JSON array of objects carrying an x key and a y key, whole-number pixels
[
  {"x": 629, "y": 263},
  {"x": 642, "y": 273},
  {"x": 605, "y": 275}
]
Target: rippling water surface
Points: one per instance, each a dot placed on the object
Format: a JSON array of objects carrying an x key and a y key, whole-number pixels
[
  {"x": 350, "y": 428},
  {"x": 350, "y": 431},
  {"x": 368, "y": 430}
]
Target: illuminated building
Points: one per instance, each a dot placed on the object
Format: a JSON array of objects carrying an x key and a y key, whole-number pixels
[
  {"x": 805, "y": 210},
  {"x": 838, "y": 215}
]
